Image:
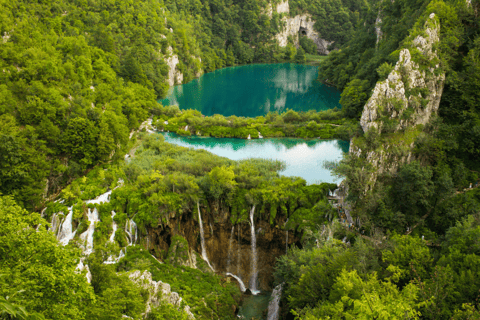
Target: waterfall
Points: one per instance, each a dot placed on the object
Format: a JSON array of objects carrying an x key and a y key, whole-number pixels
[
  {"x": 93, "y": 217},
  {"x": 202, "y": 239},
  {"x": 114, "y": 227},
  {"x": 87, "y": 236},
  {"x": 65, "y": 233},
  {"x": 253, "y": 282},
  {"x": 81, "y": 266},
  {"x": 111, "y": 259},
  {"x": 229, "y": 260},
  {"x": 131, "y": 231},
  {"x": 240, "y": 282},
  {"x": 274, "y": 304}
]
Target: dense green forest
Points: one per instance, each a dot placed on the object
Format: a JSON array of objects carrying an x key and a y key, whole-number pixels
[{"x": 77, "y": 78}]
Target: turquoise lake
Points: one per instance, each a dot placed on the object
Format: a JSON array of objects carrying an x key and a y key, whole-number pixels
[
  {"x": 304, "y": 158},
  {"x": 254, "y": 90}
]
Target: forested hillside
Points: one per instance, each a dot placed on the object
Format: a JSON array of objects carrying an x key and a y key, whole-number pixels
[
  {"x": 399, "y": 239},
  {"x": 78, "y": 76}
]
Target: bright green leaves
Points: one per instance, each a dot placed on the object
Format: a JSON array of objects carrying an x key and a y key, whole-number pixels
[
  {"x": 353, "y": 97},
  {"x": 220, "y": 182},
  {"x": 374, "y": 299}
]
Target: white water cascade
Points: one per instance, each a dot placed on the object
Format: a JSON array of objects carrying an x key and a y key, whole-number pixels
[
  {"x": 253, "y": 281},
  {"x": 114, "y": 227},
  {"x": 81, "y": 266},
  {"x": 240, "y": 282},
  {"x": 112, "y": 260},
  {"x": 274, "y": 304},
  {"x": 202, "y": 239},
  {"x": 131, "y": 231},
  {"x": 65, "y": 232},
  {"x": 93, "y": 218},
  {"x": 230, "y": 242}
]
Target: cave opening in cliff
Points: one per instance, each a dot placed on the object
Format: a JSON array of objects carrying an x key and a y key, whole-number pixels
[{"x": 302, "y": 31}]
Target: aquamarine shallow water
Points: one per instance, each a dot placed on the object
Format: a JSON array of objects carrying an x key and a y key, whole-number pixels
[
  {"x": 254, "y": 90},
  {"x": 304, "y": 158}
]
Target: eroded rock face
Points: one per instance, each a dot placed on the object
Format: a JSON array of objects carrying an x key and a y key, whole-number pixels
[
  {"x": 423, "y": 84},
  {"x": 300, "y": 24},
  {"x": 158, "y": 292},
  {"x": 226, "y": 251},
  {"x": 406, "y": 99}
]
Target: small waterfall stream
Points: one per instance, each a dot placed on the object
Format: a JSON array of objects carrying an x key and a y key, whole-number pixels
[
  {"x": 240, "y": 282},
  {"x": 253, "y": 281},
  {"x": 114, "y": 227},
  {"x": 131, "y": 231},
  {"x": 274, "y": 304},
  {"x": 93, "y": 217},
  {"x": 65, "y": 232},
  {"x": 87, "y": 236},
  {"x": 202, "y": 239}
]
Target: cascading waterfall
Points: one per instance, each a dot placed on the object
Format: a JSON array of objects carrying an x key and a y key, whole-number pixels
[
  {"x": 240, "y": 282},
  {"x": 66, "y": 233},
  {"x": 93, "y": 217},
  {"x": 131, "y": 231},
  {"x": 87, "y": 236},
  {"x": 230, "y": 242},
  {"x": 202, "y": 238},
  {"x": 81, "y": 266},
  {"x": 114, "y": 227},
  {"x": 111, "y": 259},
  {"x": 274, "y": 304},
  {"x": 253, "y": 281}
]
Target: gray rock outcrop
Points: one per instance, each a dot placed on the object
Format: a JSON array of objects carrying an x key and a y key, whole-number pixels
[
  {"x": 158, "y": 292},
  {"x": 400, "y": 104},
  {"x": 300, "y": 24},
  {"x": 408, "y": 86}
]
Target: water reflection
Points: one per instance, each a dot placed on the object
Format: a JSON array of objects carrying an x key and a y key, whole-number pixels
[
  {"x": 304, "y": 158},
  {"x": 255, "y": 90}
]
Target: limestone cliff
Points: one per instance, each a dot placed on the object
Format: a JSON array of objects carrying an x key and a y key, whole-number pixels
[
  {"x": 300, "y": 24},
  {"x": 401, "y": 104}
]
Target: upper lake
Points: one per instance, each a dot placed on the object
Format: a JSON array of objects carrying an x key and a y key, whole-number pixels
[{"x": 255, "y": 90}]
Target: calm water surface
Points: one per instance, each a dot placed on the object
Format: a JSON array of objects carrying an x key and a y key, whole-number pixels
[
  {"x": 254, "y": 90},
  {"x": 304, "y": 158}
]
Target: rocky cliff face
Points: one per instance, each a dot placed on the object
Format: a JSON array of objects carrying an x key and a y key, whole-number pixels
[
  {"x": 229, "y": 250},
  {"x": 300, "y": 24},
  {"x": 405, "y": 100},
  {"x": 409, "y": 85}
]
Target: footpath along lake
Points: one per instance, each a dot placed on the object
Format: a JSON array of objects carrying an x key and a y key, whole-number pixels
[{"x": 255, "y": 90}]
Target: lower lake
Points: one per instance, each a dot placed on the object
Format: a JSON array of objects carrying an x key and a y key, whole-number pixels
[{"x": 304, "y": 158}]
